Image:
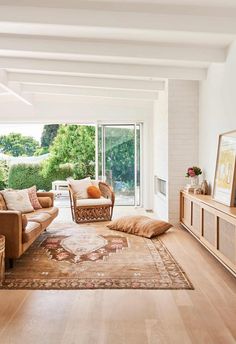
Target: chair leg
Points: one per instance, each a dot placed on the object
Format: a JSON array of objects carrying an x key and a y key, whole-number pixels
[
  {"x": 111, "y": 213},
  {"x": 11, "y": 263}
]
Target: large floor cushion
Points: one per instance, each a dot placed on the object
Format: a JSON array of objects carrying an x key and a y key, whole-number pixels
[
  {"x": 93, "y": 202},
  {"x": 140, "y": 225}
]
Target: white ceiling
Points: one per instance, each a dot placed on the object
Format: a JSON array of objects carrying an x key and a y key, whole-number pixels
[{"x": 109, "y": 48}]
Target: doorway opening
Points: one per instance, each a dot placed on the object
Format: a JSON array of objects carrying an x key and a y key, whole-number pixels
[{"x": 119, "y": 160}]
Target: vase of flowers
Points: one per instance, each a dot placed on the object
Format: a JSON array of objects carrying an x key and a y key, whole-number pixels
[{"x": 193, "y": 173}]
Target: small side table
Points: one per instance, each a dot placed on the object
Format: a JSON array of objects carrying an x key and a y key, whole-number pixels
[
  {"x": 2, "y": 257},
  {"x": 60, "y": 188}
]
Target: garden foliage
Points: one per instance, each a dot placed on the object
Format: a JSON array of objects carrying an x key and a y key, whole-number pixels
[
  {"x": 22, "y": 176},
  {"x": 74, "y": 144},
  {"x": 3, "y": 175},
  {"x": 18, "y": 145}
]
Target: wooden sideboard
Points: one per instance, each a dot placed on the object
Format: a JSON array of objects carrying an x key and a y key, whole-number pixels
[{"x": 213, "y": 224}]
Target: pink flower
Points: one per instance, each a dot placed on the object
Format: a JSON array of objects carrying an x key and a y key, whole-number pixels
[{"x": 191, "y": 173}]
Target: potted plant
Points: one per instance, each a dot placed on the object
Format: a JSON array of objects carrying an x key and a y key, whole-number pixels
[{"x": 193, "y": 173}]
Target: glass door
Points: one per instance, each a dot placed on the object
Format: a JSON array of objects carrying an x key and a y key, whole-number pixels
[{"x": 119, "y": 160}]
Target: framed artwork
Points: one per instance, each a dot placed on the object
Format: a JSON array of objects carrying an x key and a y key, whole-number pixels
[{"x": 224, "y": 190}]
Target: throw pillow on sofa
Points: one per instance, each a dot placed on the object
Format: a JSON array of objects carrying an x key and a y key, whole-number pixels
[
  {"x": 33, "y": 197},
  {"x": 3, "y": 205},
  {"x": 45, "y": 202},
  {"x": 18, "y": 200}
]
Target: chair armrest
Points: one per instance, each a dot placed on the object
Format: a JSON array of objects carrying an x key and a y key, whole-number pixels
[
  {"x": 107, "y": 191},
  {"x": 72, "y": 195},
  {"x": 11, "y": 228},
  {"x": 46, "y": 194}
]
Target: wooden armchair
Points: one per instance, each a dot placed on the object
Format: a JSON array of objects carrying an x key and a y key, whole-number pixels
[{"x": 90, "y": 209}]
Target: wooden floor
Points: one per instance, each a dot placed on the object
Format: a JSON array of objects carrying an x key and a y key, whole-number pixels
[{"x": 204, "y": 315}]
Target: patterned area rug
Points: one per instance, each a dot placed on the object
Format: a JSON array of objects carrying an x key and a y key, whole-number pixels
[{"x": 94, "y": 257}]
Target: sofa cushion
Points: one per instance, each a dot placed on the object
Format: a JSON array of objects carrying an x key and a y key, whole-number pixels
[
  {"x": 44, "y": 219},
  {"x": 52, "y": 211},
  {"x": 140, "y": 225},
  {"x": 39, "y": 217},
  {"x": 31, "y": 232},
  {"x": 3, "y": 205},
  {"x": 79, "y": 187},
  {"x": 18, "y": 200},
  {"x": 33, "y": 197},
  {"x": 93, "y": 201},
  {"x": 46, "y": 202}
]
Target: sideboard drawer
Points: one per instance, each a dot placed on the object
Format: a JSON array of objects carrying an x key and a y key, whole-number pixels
[
  {"x": 209, "y": 227},
  {"x": 226, "y": 239},
  {"x": 196, "y": 219}
]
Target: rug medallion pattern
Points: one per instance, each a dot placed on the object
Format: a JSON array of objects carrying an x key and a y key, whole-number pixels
[{"x": 81, "y": 248}]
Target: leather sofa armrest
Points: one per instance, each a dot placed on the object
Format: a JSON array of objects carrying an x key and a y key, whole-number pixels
[
  {"x": 11, "y": 228},
  {"x": 46, "y": 194}
]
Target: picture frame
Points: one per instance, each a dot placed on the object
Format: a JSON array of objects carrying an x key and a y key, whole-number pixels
[{"x": 224, "y": 189}]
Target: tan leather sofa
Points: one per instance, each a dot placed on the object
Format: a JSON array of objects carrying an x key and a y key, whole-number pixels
[{"x": 21, "y": 230}]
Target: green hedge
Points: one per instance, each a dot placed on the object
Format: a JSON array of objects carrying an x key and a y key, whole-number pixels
[
  {"x": 3, "y": 175},
  {"x": 23, "y": 176}
]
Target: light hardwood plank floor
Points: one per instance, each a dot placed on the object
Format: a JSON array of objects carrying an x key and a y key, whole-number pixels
[{"x": 204, "y": 315}]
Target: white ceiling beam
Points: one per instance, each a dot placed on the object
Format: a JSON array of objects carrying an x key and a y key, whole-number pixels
[
  {"x": 158, "y": 19},
  {"x": 12, "y": 89},
  {"x": 202, "y": 7},
  {"x": 107, "y": 51},
  {"x": 102, "y": 69},
  {"x": 105, "y": 83},
  {"x": 2, "y": 91},
  {"x": 89, "y": 92}
]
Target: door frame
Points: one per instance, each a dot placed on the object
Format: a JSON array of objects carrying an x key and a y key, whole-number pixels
[{"x": 135, "y": 125}]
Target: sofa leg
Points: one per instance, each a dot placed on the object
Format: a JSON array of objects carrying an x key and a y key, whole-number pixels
[{"x": 11, "y": 263}]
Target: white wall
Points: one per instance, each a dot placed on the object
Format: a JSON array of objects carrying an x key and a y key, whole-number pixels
[
  {"x": 175, "y": 142},
  {"x": 160, "y": 151},
  {"x": 217, "y": 110},
  {"x": 182, "y": 138}
]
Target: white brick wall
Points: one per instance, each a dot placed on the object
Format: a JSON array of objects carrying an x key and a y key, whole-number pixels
[
  {"x": 160, "y": 150},
  {"x": 182, "y": 138},
  {"x": 176, "y": 142}
]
